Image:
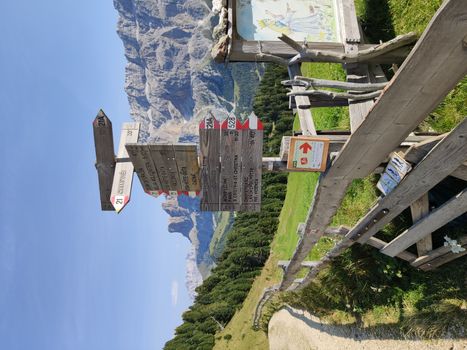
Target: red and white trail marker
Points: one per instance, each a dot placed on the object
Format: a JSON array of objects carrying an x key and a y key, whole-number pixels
[{"x": 123, "y": 178}]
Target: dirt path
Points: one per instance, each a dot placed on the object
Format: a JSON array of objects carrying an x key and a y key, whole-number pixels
[{"x": 291, "y": 329}]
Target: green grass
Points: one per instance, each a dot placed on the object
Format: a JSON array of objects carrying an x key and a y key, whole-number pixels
[{"x": 422, "y": 304}]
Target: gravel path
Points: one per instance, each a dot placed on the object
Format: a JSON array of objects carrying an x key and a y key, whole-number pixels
[{"x": 292, "y": 329}]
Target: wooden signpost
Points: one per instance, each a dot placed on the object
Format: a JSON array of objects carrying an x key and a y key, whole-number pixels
[
  {"x": 209, "y": 143},
  {"x": 166, "y": 168},
  {"x": 252, "y": 134},
  {"x": 308, "y": 154},
  {"x": 105, "y": 157},
  {"x": 231, "y": 164},
  {"x": 231, "y": 155},
  {"x": 123, "y": 179}
]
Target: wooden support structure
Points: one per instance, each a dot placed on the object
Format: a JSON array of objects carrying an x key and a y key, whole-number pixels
[
  {"x": 419, "y": 209},
  {"x": 437, "y": 218},
  {"x": 410, "y": 96}
]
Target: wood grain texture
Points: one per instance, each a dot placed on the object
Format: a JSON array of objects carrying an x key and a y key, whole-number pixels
[
  {"x": 251, "y": 169},
  {"x": 439, "y": 163},
  {"x": 209, "y": 138},
  {"x": 419, "y": 209},
  {"x": 231, "y": 157},
  {"x": 105, "y": 158},
  {"x": 410, "y": 96},
  {"x": 444, "y": 259},
  {"x": 437, "y": 218},
  {"x": 186, "y": 157},
  {"x": 144, "y": 167},
  {"x": 435, "y": 253},
  {"x": 350, "y": 24}
]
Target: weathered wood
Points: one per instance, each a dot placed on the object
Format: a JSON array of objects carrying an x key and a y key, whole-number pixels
[
  {"x": 186, "y": 157},
  {"x": 378, "y": 244},
  {"x": 334, "y": 84},
  {"x": 460, "y": 172},
  {"x": 209, "y": 143},
  {"x": 444, "y": 259},
  {"x": 285, "y": 263},
  {"x": 248, "y": 51},
  {"x": 437, "y": 253},
  {"x": 163, "y": 157},
  {"x": 105, "y": 157},
  {"x": 351, "y": 29},
  {"x": 334, "y": 95},
  {"x": 419, "y": 209},
  {"x": 251, "y": 170},
  {"x": 416, "y": 152},
  {"x": 362, "y": 56},
  {"x": 431, "y": 170},
  {"x": 123, "y": 179},
  {"x": 437, "y": 218},
  {"x": 144, "y": 167},
  {"x": 231, "y": 155},
  {"x": 407, "y": 100}
]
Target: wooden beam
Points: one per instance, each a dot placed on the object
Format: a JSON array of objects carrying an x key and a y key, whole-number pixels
[
  {"x": 460, "y": 172},
  {"x": 419, "y": 209},
  {"x": 436, "y": 253},
  {"x": 438, "y": 164},
  {"x": 250, "y": 51},
  {"x": 410, "y": 96},
  {"x": 443, "y": 260},
  {"x": 437, "y": 218}
]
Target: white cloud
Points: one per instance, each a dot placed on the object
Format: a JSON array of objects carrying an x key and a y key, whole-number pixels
[{"x": 174, "y": 293}]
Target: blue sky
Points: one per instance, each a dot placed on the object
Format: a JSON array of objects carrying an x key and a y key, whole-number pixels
[{"x": 71, "y": 276}]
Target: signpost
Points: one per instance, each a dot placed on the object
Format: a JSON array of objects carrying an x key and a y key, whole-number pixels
[
  {"x": 308, "y": 154},
  {"x": 231, "y": 155},
  {"x": 121, "y": 187},
  {"x": 105, "y": 157},
  {"x": 252, "y": 142},
  {"x": 209, "y": 141}
]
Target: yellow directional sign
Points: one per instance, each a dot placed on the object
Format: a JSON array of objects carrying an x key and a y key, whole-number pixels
[{"x": 308, "y": 153}]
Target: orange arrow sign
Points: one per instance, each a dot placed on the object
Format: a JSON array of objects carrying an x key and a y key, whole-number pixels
[{"x": 305, "y": 147}]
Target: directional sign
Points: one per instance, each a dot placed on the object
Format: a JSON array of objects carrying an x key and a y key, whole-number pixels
[
  {"x": 186, "y": 156},
  {"x": 209, "y": 142},
  {"x": 141, "y": 158},
  {"x": 121, "y": 187},
  {"x": 231, "y": 156},
  {"x": 252, "y": 145},
  {"x": 105, "y": 157},
  {"x": 308, "y": 154}
]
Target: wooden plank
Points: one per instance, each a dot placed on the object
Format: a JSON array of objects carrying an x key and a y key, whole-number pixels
[
  {"x": 123, "y": 179},
  {"x": 251, "y": 169},
  {"x": 105, "y": 157},
  {"x": 444, "y": 259},
  {"x": 231, "y": 157},
  {"x": 460, "y": 172},
  {"x": 419, "y": 209},
  {"x": 351, "y": 29},
  {"x": 431, "y": 170},
  {"x": 163, "y": 157},
  {"x": 209, "y": 143},
  {"x": 305, "y": 117},
  {"x": 437, "y": 253},
  {"x": 144, "y": 167},
  {"x": 249, "y": 51},
  {"x": 416, "y": 152},
  {"x": 186, "y": 157},
  {"x": 437, "y": 218},
  {"x": 378, "y": 244}
]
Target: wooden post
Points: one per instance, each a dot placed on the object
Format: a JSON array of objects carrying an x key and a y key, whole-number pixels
[{"x": 419, "y": 209}]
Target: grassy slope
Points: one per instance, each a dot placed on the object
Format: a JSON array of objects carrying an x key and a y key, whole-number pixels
[{"x": 408, "y": 16}]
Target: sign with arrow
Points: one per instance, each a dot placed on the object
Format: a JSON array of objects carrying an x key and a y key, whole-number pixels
[{"x": 308, "y": 153}]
